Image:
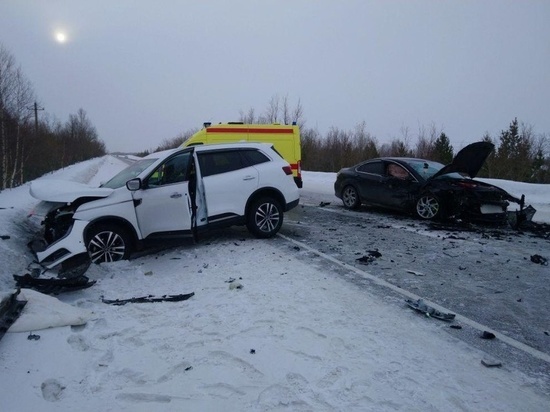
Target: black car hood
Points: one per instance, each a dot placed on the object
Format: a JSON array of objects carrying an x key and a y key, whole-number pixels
[{"x": 469, "y": 160}]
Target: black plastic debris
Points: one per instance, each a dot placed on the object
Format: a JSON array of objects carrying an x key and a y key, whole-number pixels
[
  {"x": 53, "y": 286},
  {"x": 538, "y": 259},
  {"x": 10, "y": 309},
  {"x": 33, "y": 336},
  {"x": 421, "y": 307},
  {"x": 370, "y": 257},
  {"x": 5, "y": 237},
  {"x": 149, "y": 299},
  {"x": 491, "y": 363},
  {"x": 323, "y": 204},
  {"x": 456, "y": 327},
  {"x": 487, "y": 335}
]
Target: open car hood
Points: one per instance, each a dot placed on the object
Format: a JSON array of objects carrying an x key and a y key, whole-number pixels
[
  {"x": 469, "y": 160},
  {"x": 53, "y": 190}
]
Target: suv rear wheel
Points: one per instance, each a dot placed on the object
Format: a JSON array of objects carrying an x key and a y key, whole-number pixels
[
  {"x": 108, "y": 243},
  {"x": 265, "y": 217}
]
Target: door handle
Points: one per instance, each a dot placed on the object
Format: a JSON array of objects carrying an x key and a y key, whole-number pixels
[
  {"x": 249, "y": 178},
  {"x": 176, "y": 195}
]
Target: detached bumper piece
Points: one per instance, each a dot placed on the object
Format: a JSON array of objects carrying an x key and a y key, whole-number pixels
[
  {"x": 150, "y": 299},
  {"x": 53, "y": 286},
  {"x": 10, "y": 309}
]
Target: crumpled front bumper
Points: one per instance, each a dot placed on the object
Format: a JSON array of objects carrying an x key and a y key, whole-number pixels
[{"x": 72, "y": 244}]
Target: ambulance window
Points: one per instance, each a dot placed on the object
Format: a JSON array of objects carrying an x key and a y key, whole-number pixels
[{"x": 254, "y": 157}]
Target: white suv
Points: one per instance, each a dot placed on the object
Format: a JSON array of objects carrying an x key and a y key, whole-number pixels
[{"x": 172, "y": 193}]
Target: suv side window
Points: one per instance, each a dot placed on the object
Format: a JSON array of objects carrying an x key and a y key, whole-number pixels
[
  {"x": 174, "y": 170},
  {"x": 254, "y": 157},
  {"x": 223, "y": 161}
]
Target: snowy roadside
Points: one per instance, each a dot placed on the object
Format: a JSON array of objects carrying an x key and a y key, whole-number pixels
[{"x": 295, "y": 337}]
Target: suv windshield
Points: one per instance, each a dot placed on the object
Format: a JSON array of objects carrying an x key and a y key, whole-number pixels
[{"x": 129, "y": 173}]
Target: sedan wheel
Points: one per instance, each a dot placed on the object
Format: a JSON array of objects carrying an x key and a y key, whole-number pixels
[
  {"x": 265, "y": 217},
  {"x": 108, "y": 244},
  {"x": 350, "y": 198},
  {"x": 428, "y": 207}
]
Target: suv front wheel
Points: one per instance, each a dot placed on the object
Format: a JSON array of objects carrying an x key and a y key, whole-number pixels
[
  {"x": 265, "y": 217},
  {"x": 108, "y": 243}
]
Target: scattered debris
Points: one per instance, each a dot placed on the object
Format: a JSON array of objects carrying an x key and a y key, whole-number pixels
[
  {"x": 33, "y": 336},
  {"x": 149, "y": 273},
  {"x": 415, "y": 273},
  {"x": 53, "y": 286},
  {"x": 456, "y": 327},
  {"x": 420, "y": 306},
  {"x": 252, "y": 351},
  {"x": 235, "y": 285},
  {"x": 149, "y": 299},
  {"x": 538, "y": 259},
  {"x": 323, "y": 204},
  {"x": 487, "y": 335},
  {"x": 371, "y": 256},
  {"x": 491, "y": 363},
  {"x": 5, "y": 237},
  {"x": 10, "y": 309}
]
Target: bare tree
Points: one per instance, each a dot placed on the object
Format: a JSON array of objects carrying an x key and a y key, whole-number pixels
[
  {"x": 23, "y": 99},
  {"x": 7, "y": 86}
]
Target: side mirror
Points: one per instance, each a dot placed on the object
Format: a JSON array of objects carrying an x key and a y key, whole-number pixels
[{"x": 134, "y": 184}]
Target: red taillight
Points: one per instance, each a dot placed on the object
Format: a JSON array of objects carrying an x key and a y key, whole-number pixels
[{"x": 287, "y": 170}]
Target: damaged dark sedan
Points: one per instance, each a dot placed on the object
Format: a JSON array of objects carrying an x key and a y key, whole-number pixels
[{"x": 429, "y": 189}]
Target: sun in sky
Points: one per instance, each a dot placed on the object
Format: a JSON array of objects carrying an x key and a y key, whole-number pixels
[{"x": 60, "y": 36}]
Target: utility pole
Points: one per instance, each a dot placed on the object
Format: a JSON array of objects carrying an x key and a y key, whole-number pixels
[{"x": 36, "y": 108}]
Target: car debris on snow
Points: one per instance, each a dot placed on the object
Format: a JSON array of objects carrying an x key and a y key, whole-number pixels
[
  {"x": 488, "y": 335},
  {"x": 53, "y": 286},
  {"x": 491, "y": 363},
  {"x": 149, "y": 299},
  {"x": 10, "y": 309},
  {"x": 370, "y": 257},
  {"x": 420, "y": 306},
  {"x": 415, "y": 273},
  {"x": 539, "y": 260}
]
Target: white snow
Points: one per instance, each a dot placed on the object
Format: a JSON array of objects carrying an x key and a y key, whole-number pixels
[{"x": 295, "y": 337}]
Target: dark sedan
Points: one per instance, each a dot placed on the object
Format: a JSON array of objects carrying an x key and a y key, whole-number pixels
[{"x": 425, "y": 188}]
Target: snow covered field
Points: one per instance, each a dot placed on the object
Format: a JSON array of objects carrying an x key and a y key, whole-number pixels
[{"x": 294, "y": 337}]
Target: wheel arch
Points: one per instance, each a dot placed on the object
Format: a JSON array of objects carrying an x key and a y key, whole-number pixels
[
  {"x": 115, "y": 221},
  {"x": 265, "y": 191}
]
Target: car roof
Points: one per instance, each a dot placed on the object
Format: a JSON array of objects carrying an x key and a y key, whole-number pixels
[
  {"x": 233, "y": 145},
  {"x": 210, "y": 147}
]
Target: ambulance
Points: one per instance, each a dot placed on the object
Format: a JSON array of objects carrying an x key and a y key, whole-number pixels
[{"x": 285, "y": 139}]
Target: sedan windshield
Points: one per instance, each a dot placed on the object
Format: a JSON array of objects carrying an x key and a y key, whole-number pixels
[
  {"x": 129, "y": 173},
  {"x": 427, "y": 168}
]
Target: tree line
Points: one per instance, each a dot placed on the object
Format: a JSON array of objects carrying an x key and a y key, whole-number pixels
[{"x": 31, "y": 145}]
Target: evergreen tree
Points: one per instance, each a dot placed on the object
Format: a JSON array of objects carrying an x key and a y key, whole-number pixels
[{"x": 443, "y": 151}]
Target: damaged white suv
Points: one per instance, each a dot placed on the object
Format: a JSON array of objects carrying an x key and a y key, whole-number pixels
[{"x": 167, "y": 194}]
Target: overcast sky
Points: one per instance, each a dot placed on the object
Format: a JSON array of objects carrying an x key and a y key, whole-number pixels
[{"x": 145, "y": 71}]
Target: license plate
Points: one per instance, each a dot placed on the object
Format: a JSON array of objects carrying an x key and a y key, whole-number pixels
[{"x": 489, "y": 209}]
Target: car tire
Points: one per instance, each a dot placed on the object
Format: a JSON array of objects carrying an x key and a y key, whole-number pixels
[
  {"x": 265, "y": 217},
  {"x": 350, "y": 197},
  {"x": 108, "y": 243},
  {"x": 428, "y": 207}
]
